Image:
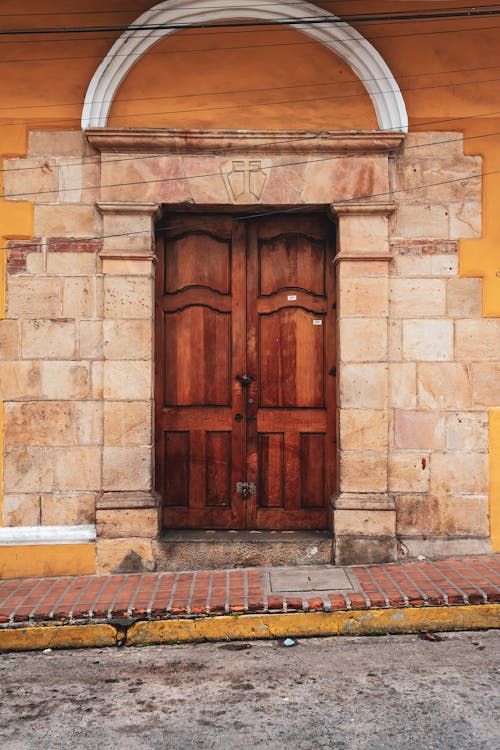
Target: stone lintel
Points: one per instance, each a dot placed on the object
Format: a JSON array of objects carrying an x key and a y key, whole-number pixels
[
  {"x": 356, "y": 208},
  {"x": 361, "y": 501},
  {"x": 149, "y": 208},
  {"x": 126, "y": 500},
  {"x": 175, "y": 141}
]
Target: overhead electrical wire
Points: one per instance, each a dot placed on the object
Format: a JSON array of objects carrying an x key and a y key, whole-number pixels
[
  {"x": 111, "y": 11},
  {"x": 469, "y": 13}
]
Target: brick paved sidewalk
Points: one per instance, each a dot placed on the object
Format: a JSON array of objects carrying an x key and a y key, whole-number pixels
[{"x": 471, "y": 580}]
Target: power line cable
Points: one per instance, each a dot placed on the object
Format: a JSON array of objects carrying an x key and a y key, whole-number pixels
[
  {"x": 469, "y": 14},
  {"x": 262, "y": 30},
  {"x": 112, "y": 11}
]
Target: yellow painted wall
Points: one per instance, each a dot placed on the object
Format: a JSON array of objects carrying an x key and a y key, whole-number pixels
[
  {"x": 47, "y": 560},
  {"x": 270, "y": 78}
]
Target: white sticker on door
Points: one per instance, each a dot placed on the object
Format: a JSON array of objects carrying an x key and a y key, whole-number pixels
[{"x": 317, "y": 322}]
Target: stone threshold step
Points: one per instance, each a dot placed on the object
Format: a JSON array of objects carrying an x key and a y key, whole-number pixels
[{"x": 201, "y": 550}]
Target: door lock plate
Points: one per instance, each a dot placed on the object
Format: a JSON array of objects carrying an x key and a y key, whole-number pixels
[{"x": 245, "y": 489}]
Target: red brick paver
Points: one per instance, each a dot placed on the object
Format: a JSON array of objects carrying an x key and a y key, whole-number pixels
[{"x": 472, "y": 580}]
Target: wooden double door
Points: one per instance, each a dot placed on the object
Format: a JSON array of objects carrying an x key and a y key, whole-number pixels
[{"x": 245, "y": 371}]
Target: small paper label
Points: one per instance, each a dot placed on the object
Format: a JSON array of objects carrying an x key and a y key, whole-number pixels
[
  {"x": 292, "y": 297},
  {"x": 317, "y": 322}
]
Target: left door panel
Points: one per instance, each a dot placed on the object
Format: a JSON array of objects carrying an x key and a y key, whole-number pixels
[{"x": 200, "y": 346}]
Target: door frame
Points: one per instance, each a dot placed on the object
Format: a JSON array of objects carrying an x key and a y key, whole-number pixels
[{"x": 303, "y": 171}]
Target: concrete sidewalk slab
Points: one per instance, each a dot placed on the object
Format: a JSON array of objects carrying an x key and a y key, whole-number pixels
[{"x": 453, "y": 593}]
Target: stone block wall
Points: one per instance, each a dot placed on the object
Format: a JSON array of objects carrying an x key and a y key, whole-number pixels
[
  {"x": 419, "y": 367},
  {"x": 443, "y": 356}
]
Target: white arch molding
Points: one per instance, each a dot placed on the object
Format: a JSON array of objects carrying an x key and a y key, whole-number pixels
[{"x": 341, "y": 38}]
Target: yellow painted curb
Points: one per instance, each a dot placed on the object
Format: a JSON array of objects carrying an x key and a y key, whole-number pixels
[
  {"x": 57, "y": 636},
  {"x": 356, "y": 622},
  {"x": 253, "y": 627}
]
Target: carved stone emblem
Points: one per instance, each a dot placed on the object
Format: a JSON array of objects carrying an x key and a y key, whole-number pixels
[{"x": 245, "y": 180}]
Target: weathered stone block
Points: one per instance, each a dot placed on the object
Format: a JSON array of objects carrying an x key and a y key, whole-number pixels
[
  {"x": 70, "y": 220},
  {"x": 127, "y": 232},
  {"x": 363, "y": 429},
  {"x": 77, "y": 468},
  {"x": 28, "y": 469},
  {"x": 71, "y": 263},
  {"x": 459, "y": 473},
  {"x": 413, "y": 265},
  {"x": 409, "y": 472},
  {"x": 127, "y": 423},
  {"x": 395, "y": 340},
  {"x": 425, "y": 220},
  {"x": 478, "y": 340},
  {"x": 363, "y": 339},
  {"x": 21, "y": 510},
  {"x": 363, "y": 471},
  {"x": 78, "y": 297},
  {"x": 363, "y": 297},
  {"x": 417, "y": 514},
  {"x": 428, "y": 340},
  {"x": 485, "y": 380},
  {"x": 87, "y": 422},
  {"x": 132, "y": 555},
  {"x": 464, "y": 297},
  {"x": 127, "y": 380},
  {"x": 20, "y": 380},
  {"x": 403, "y": 385},
  {"x": 127, "y": 468},
  {"x": 68, "y": 509},
  {"x": 61, "y": 380},
  {"x": 38, "y": 423},
  {"x": 9, "y": 339},
  {"x": 97, "y": 380},
  {"x": 128, "y": 298},
  {"x": 91, "y": 339},
  {"x": 357, "y": 550},
  {"x": 365, "y": 522},
  {"x": 56, "y": 143},
  {"x": 362, "y": 268},
  {"x": 444, "y": 265},
  {"x": 465, "y": 515},
  {"x": 419, "y": 430},
  {"x": 48, "y": 339},
  {"x": 363, "y": 386},
  {"x": 465, "y": 217},
  {"x": 358, "y": 233},
  {"x": 30, "y": 180},
  {"x": 467, "y": 431},
  {"x": 138, "y": 522},
  {"x": 443, "y": 386},
  {"x": 128, "y": 339},
  {"x": 412, "y": 298},
  {"x": 31, "y": 297}
]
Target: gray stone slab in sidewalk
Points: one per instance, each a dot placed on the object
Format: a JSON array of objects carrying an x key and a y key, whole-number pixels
[{"x": 317, "y": 578}]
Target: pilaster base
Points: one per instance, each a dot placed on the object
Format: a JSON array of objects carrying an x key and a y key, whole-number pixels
[
  {"x": 127, "y": 514},
  {"x": 364, "y": 528}
]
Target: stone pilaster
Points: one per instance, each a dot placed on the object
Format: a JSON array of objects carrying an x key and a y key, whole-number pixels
[
  {"x": 128, "y": 507},
  {"x": 364, "y": 515}
]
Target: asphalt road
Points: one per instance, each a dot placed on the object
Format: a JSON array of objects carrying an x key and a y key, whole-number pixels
[{"x": 344, "y": 693}]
